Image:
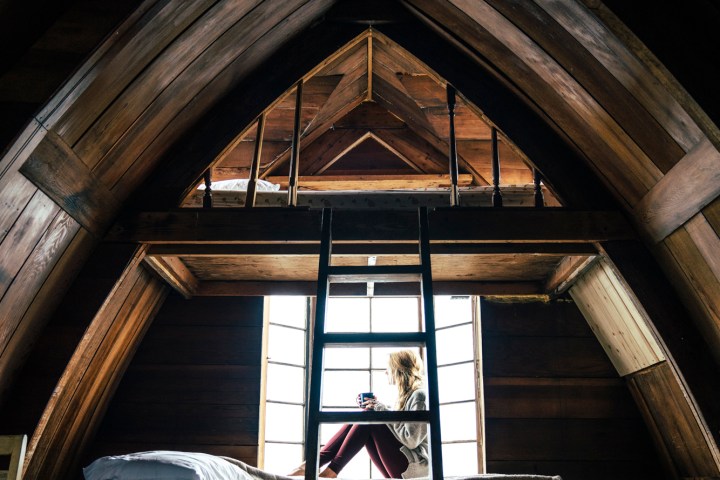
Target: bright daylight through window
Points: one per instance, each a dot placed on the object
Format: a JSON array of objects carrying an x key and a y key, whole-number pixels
[{"x": 349, "y": 371}]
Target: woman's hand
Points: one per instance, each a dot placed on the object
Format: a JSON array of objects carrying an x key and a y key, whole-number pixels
[{"x": 366, "y": 403}]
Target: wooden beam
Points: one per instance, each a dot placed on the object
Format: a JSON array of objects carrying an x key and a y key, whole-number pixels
[
  {"x": 249, "y": 288},
  {"x": 373, "y": 182},
  {"x": 328, "y": 148},
  {"x": 447, "y": 225},
  {"x": 364, "y": 249},
  {"x": 566, "y": 272},
  {"x": 418, "y": 151},
  {"x": 689, "y": 186},
  {"x": 55, "y": 168},
  {"x": 175, "y": 273}
]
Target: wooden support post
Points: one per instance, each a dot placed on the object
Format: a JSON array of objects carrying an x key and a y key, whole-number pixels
[
  {"x": 539, "y": 199},
  {"x": 496, "y": 196},
  {"x": 255, "y": 167},
  {"x": 454, "y": 192},
  {"x": 295, "y": 149},
  {"x": 207, "y": 198}
]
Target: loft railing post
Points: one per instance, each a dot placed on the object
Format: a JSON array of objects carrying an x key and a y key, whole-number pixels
[
  {"x": 454, "y": 192},
  {"x": 539, "y": 199},
  {"x": 207, "y": 198},
  {"x": 496, "y": 196},
  {"x": 295, "y": 149},
  {"x": 255, "y": 167}
]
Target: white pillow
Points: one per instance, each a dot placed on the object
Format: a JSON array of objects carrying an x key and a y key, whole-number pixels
[
  {"x": 241, "y": 184},
  {"x": 163, "y": 465}
]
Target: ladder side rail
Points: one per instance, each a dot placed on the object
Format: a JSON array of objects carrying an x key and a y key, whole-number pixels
[
  {"x": 312, "y": 435},
  {"x": 436, "y": 467}
]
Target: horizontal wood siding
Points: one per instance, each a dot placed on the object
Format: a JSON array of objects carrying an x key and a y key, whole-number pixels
[
  {"x": 553, "y": 402},
  {"x": 194, "y": 383}
]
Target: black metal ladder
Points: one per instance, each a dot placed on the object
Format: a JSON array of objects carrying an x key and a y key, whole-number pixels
[{"x": 328, "y": 274}]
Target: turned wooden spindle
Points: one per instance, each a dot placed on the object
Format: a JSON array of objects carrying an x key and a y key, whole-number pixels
[
  {"x": 454, "y": 191},
  {"x": 207, "y": 198},
  {"x": 496, "y": 196},
  {"x": 295, "y": 149}
]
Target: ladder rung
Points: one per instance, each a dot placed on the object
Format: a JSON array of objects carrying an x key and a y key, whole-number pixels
[
  {"x": 406, "y": 339},
  {"x": 380, "y": 274},
  {"x": 415, "y": 416}
]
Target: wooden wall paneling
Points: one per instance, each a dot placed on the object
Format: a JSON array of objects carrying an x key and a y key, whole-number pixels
[
  {"x": 674, "y": 424},
  {"x": 329, "y": 147},
  {"x": 617, "y": 318},
  {"x": 610, "y": 72},
  {"x": 11, "y": 159},
  {"x": 14, "y": 198},
  {"x": 159, "y": 74},
  {"x": 419, "y": 151},
  {"x": 245, "y": 70},
  {"x": 712, "y": 214},
  {"x": 572, "y": 416},
  {"x": 115, "y": 65},
  {"x": 616, "y": 159},
  {"x": 198, "y": 401},
  {"x": 82, "y": 374},
  {"x": 55, "y": 168},
  {"x": 687, "y": 188}
]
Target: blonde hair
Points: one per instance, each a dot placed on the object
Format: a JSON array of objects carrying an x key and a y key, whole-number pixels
[{"x": 406, "y": 370}]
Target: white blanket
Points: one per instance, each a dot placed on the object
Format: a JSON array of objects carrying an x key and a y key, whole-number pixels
[{"x": 173, "y": 465}]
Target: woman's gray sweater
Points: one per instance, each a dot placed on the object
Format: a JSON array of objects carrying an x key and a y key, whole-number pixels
[{"x": 413, "y": 436}]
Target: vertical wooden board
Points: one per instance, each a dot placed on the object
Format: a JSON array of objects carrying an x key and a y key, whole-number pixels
[
  {"x": 120, "y": 64},
  {"x": 161, "y": 72},
  {"x": 707, "y": 242},
  {"x": 16, "y": 333},
  {"x": 616, "y": 320},
  {"x": 695, "y": 282},
  {"x": 665, "y": 406},
  {"x": 22, "y": 238}
]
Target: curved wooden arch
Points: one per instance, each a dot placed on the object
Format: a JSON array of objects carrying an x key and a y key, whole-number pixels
[{"x": 177, "y": 67}]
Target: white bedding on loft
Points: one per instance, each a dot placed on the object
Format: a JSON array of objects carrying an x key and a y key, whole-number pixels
[{"x": 174, "y": 465}]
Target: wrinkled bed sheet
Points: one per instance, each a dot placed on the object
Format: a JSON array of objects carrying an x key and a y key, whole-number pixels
[{"x": 174, "y": 465}]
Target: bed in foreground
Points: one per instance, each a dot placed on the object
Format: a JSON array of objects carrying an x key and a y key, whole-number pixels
[{"x": 173, "y": 465}]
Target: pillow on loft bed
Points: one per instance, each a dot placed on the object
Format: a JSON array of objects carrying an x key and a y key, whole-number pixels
[
  {"x": 163, "y": 465},
  {"x": 241, "y": 184}
]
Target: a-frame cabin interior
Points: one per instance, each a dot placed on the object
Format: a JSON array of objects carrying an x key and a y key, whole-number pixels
[{"x": 568, "y": 153}]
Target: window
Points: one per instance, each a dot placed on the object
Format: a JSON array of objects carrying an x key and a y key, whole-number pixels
[{"x": 349, "y": 371}]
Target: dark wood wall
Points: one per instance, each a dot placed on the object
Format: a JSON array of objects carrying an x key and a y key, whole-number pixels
[
  {"x": 554, "y": 403},
  {"x": 194, "y": 383}
]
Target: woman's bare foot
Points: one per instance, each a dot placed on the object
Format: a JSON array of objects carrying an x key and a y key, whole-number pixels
[
  {"x": 327, "y": 473},
  {"x": 298, "y": 472}
]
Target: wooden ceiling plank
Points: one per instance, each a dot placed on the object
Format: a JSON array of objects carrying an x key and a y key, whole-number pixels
[
  {"x": 165, "y": 128},
  {"x": 449, "y": 225},
  {"x": 327, "y": 147},
  {"x": 129, "y": 105},
  {"x": 347, "y": 95},
  {"x": 616, "y": 159},
  {"x": 175, "y": 273}
]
